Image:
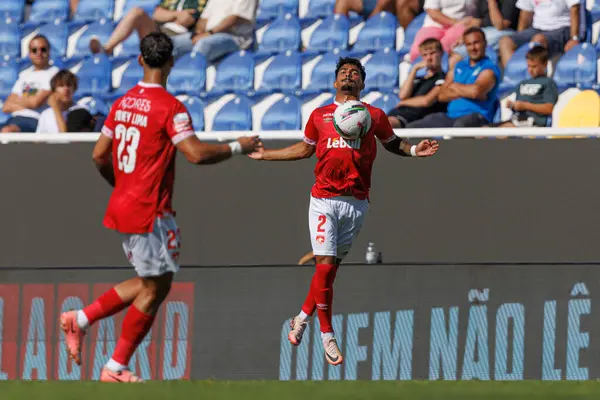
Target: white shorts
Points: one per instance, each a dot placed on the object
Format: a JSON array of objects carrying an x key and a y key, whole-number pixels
[
  {"x": 157, "y": 252},
  {"x": 334, "y": 223}
]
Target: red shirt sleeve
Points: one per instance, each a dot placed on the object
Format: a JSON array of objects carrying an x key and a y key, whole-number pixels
[
  {"x": 179, "y": 124},
  {"x": 383, "y": 129},
  {"x": 311, "y": 133},
  {"x": 108, "y": 129}
]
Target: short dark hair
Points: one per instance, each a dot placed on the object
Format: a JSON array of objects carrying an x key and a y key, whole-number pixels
[
  {"x": 349, "y": 60},
  {"x": 474, "y": 29},
  {"x": 538, "y": 53},
  {"x": 43, "y": 37},
  {"x": 80, "y": 120},
  {"x": 432, "y": 41},
  {"x": 64, "y": 77},
  {"x": 156, "y": 49}
]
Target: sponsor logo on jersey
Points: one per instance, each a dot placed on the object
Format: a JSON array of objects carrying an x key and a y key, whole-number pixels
[
  {"x": 181, "y": 117},
  {"x": 339, "y": 143},
  {"x": 320, "y": 239},
  {"x": 327, "y": 117},
  {"x": 141, "y": 105}
]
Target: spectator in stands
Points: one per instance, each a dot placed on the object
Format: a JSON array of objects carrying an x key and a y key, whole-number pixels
[
  {"x": 226, "y": 26},
  {"x": 176, "y": 18},
  {"x": 498, "y": 18},
  {"x": 446, "y": 21},
  {"x": 552, "y": 23},
  {"x": 470, "y": 89},
  {"x": 536, "y": 96},
  {"x": 366, "y": 8},
  {"x": 54, "y": 119},
  {"x": 32, "y": 89},
  {"x": 419, "y": 96},
  {"x": 407, "y": 10}
]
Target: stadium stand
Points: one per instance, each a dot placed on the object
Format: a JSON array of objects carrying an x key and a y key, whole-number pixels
[
  {"x": 195, "y": 107},
  {"x": 298, "y": 43}
]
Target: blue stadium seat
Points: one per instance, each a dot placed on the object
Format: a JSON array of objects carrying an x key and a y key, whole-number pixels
[
  {"x": 281, "y": 35},
  {"x": 3, "y": 117},
  {"x": 284, "y": 74},
  {"x": 48, "y": 11},
  {"x": 235, "y": 74},
  {"x": 95, "y": 77},
  {"x": 515, "y": 71},
  {"x": 235, "y": 115},
  {"x": 331, "y": 34},
  {"x": 9, "y": 73},
  {"x": 387, "y": 102},
  {"x": 58, "y": 35},
  {"x": 10, "y": 40},
  {"x": 323, "y": 74},
  {"x": 188, "y": 75},
  {"x": 410, "y": 33},
  {"x": 195, "y": 107},
  {"x": 12, "y": 10},
  {"x": 271, "y": 9},
  {"x": 285, "y": 114},
  {"x": 102, "y": 29},
  {"x": 318, "y": 9},
  {"x": 382, "y": 71},
  {"x": 378, "y": 33},
  {"x": 94, "y": 10},
  {"x": 131, "y": 47},
  {"x": 578, "y": 67},
  {"x": 131, "y": 76},
  {"x": 95, "y": 106},
  {"x": 147, "y": 5}
]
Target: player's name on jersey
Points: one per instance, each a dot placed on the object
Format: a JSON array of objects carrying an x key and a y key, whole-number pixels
[
  {"x": 131, "y": 118},
  {"x": 340, "y": 143}
]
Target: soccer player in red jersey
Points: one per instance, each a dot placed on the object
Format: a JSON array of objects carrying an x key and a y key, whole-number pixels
[
  {"x": 340, "y": 194},
  {"x": 136, "y": 155}
]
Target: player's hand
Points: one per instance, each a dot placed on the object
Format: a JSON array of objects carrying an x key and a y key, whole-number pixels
[
  {"x": 257, "y": 154},
  {"x": 250, "y": 144},
  {"x": 427, "y": 148},
  {"x": 510, "y": 104},
  {"x": 570, "y": 44},
  {"x": 518, "y": 106},
  {"x": 186, "y": 18}
]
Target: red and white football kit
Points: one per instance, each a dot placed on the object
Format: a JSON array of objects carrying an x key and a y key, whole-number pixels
[
  {"x": 340, "y": 195},
  {"x": 145, "y": 125}
]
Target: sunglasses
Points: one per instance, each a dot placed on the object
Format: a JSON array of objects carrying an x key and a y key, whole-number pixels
[{"x": 43, "y": 50}]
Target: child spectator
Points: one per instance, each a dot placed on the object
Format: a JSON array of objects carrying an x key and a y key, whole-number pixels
[{"x": 536, "y": 96}]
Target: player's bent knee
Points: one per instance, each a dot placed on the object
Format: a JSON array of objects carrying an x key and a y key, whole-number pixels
[{"x": 136, "y": 12}]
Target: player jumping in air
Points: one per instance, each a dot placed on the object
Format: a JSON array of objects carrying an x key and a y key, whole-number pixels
[
  {"x": 340, "y": 194},
  {"x": 143, "y": 132}
]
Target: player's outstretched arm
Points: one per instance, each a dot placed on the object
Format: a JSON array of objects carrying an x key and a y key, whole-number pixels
[
  {"x": 198, "y": 152},
  {"x": 294, "y": 152},
  {"x": 425, "y": 148},
  {"x": 101, "y": 157}
]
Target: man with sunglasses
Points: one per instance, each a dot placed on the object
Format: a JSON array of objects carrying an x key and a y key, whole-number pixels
[{"x": 32, "y": 89}]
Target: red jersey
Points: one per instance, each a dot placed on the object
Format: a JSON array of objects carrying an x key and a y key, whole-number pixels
[
  {"x": 145, "y": 124},
  {"x": 344, "y": 166}
]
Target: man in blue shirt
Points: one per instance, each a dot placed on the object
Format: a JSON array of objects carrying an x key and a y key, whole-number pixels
[{"x": 470, "y": 90}]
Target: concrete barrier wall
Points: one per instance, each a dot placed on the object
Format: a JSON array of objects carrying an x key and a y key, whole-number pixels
[{"x": 476, "y": 201}]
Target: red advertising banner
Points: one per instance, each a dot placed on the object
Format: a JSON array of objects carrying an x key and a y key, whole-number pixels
[
  {"x": 9, "y": 324},
  {"x": 32, "y": 345}
]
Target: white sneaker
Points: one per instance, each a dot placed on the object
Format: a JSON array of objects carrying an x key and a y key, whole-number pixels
[
  {"x": 297, "y": 327},
  {"x": 332, "y": 352}
]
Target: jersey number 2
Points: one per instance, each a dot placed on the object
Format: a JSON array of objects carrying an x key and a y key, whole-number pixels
[
  {"x": 130, "y": 138},
  {"x": 322, "y": 221}
]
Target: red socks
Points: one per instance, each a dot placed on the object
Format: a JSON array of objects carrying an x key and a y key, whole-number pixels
[
  {"x": 106, "y": 305},
  {"x": 322, "y": 291},
  {"x": 310, "y": 305},
  {"x": 136, "y": 325}
]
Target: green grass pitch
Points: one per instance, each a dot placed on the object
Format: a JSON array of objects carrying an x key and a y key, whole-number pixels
[{"x": 266, "y": 390}]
